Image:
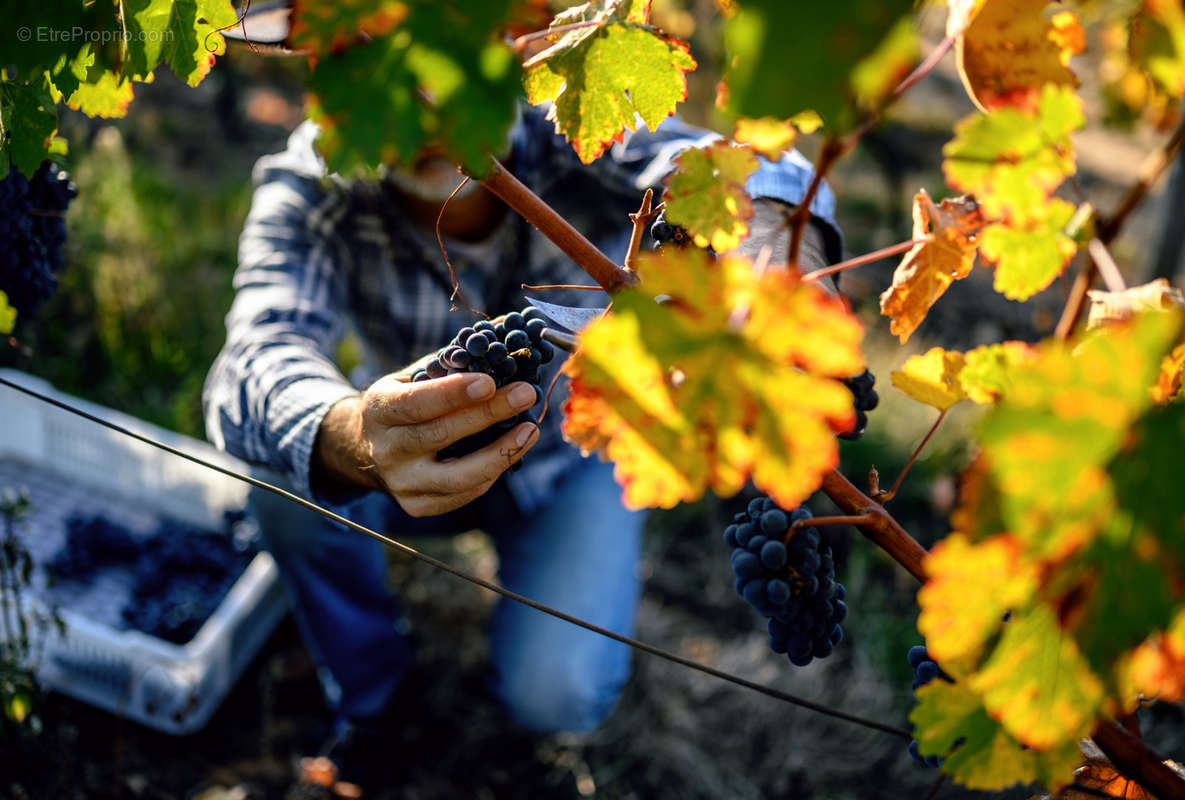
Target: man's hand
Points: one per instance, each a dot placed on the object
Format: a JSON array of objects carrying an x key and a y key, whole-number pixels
[{"x": 387, "y": 439}]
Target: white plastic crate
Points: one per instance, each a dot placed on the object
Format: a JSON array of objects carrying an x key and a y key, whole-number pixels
[{"x": 72, "y": 465}]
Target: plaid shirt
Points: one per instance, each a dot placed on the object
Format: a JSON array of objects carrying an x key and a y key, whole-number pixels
[{"x": 321, "y": 257}]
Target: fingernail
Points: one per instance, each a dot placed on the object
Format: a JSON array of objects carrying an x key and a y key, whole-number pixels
[
  {"x": 479, "y": 386},
  {"x": 524, "y": 434},
  {"x": 522, "y": 396}
]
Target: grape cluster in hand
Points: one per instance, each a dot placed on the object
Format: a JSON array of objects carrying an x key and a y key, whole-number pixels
[
  {"x": 32, "y": 231},
  {"x": 790, "y": 582},
  {"x": 509, "y": 350},
  {"x": 864, "y": 398},
  {"x": 925, "y": 670}
]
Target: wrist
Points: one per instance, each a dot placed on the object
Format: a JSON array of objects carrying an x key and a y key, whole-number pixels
[{"x": 341, "y": 456}]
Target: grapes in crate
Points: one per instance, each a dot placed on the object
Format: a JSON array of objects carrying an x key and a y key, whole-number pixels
[
  {"x": 789, "y": 578},
  {"x": 509, "y": 350}
]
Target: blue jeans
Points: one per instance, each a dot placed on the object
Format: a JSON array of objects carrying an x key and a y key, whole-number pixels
[{"x": 577, "y": 553}]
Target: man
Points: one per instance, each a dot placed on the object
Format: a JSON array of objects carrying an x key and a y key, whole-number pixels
[{"x": 321, "y": 256}]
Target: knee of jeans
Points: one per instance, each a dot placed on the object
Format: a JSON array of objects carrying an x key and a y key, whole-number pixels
[{"x": 558, "y": 695}]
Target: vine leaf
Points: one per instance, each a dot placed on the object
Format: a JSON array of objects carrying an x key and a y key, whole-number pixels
[
  {"x": 1012, "y": 160},
  {"x": 986, "y": 757},
  {"x": 986, "y": 374},
  {"x": 28, "y": 121},
  {"x": 441, "y": 79},
  {"x": 735, "y": 375},
  {"x": 1037, "y": 683},
  {"x": 770, "y": 136},
  {"x": 951, "y": 229},
  {"x": 1010, "y": 49},
  {"x": 835, "y": 37},
  {"x": 876, "y": 77},
  {"x": 104, "y": 94},
  {"x": 969, "y": 588},
  {"x": 1029, "y": 257},
  {"x": 7, "y": 314},
  {"x": 182, "y": 33},
  {"x": 330, "y": 27},
  {"x": 1169, "y": 383},
  {"x": 706, "y": 194},
  {"x": 1107, "y": 307},
  {"x": 932, "y": 378},
  {"x": 1157, "y": 44},
  {"x": 601, "y": 76},
  {"x": 1157, "y": 667}
]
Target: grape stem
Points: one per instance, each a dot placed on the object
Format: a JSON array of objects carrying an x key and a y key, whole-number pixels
[
  {"x": 884, "y": 497},
  {"x": 867, "y": 258},
  {"x": 547, "y": 221},
  {"x": 641, "y": 220},
  {"x": 810, "y": 522}
]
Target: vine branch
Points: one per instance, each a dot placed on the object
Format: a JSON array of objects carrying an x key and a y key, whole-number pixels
[
  {"x": 860, "y": 261},
  {"x": 880, "y": 527}
]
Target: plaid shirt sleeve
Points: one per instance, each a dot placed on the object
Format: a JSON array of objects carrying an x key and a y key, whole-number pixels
[{"x": 275, "y": 378}]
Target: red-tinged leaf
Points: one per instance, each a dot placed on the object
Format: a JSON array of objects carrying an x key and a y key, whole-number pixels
[
  {"x": 987, "y": 757},
  {"x": 932, "y": 378},
  {"x": 1157, "y": 667},
  {"x": 105, "y": 95},
  {"x": 1037, "y": 683},
  {"x": 1012, "y": 48},
  {"x": 986, "y": 374},
  {"x": 969, "y": 587},
  {"x": 1013, "y": 160},
  {"x": 929, "y": 268},
  {"x": 1169, "y": 383},
  {"x": 734, "y": 376},
  {"x": 602, "y": 76},
  {"x": 875, "y": 77},
  {"x": 706, "y": 194},
  {"x": 182, "y": 33},
  {"x": 324, "y": 26},
  {"x": 1029, "y": 257}
]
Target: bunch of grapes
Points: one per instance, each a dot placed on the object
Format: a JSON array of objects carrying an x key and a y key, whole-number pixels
[
  {"x": 92, "y": 542},
  {"x": 509, "y": 350},
  {"x": 925, "y": 670},
  {"x": 32, "y": 231},
  {"x": 664, "y": 233},
  {"x": 864, "y": 398},
  {"x": 789, "y": 579}
]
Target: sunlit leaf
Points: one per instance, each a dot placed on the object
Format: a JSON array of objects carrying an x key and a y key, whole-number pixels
[
  {"x": 322, "y": 26},
  {"x": 932, "y": 378},
  {"x": 1012, "y": 160},
  {"x": 1029, "y": 257},
  {"x": 734, "y": 376},
  {"x": 930, "y": 267},
  {"x": 770, "y": 136},
  {"x": 108, "y": 96},
  {"x": 706, "y": 194},
  {"x": 1012, "y": 48},
  {"x": 601, "y": 76},
  {"x": 7, "y": 314},
  {"x": 181, "y": 33},
  {"x": 968, "y": 589},
  {"x": 17, "y": 706},
  {"x": 987, "y": 757},
  {"x": 986, "y": 375},
  {"x": 1157, "y": 667},
  {"x": 1037, "y": 683},
  {"x": 1158, "y": 43},
  {"x": 767, "y": 75},
  {"x": 1169, "y": 385}
]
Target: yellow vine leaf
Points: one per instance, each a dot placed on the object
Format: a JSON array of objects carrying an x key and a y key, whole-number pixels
[
  {"x": 7, "y": 314},
  {"x": 1010, "y": 49},
  {"x": 1157, "y": 667},
  {"x": 1169, "y": 383},
  {"x": 108, "y": 96},
  {"x": 1037, "y": 682},
  {"x": 1158, "y": 44},
  {"x": 951, "y": 228},
  {"x": 1028, "y": 257},
  {"x": 932, "y": 378},
  {"x": 734, "y": 375},
  {"x": 706, "y": 194},
  {"x": 1012, "y": 160},
  {"x": 986, "y": 756},
  {"x": 770, "y": 136},
  {"x": 969, "y": 587},
  {"x": 986, "y": 374}
]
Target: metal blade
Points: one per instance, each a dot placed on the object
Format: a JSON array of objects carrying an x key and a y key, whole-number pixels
[{"x": 570, "y": 318}]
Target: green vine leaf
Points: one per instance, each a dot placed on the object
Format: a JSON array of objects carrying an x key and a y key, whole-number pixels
[
  {"x": 329, "y": 27},
  {"x": 830, "y": 41},
  {"x": 1028, "y": 257},
  {"x": 181, "y": 33},
  {"x": 28, "y": 121},
  {"x": 706, "y": 194},
  {"x": 601, "y": 76},
  {"x": 7, "y": 314}
]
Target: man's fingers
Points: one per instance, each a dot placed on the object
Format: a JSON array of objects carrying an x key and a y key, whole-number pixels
[
  {"x": 462, "y": 475},
  {"x": 392, "y": 402},
  {"x": 436, "y": 434}
]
